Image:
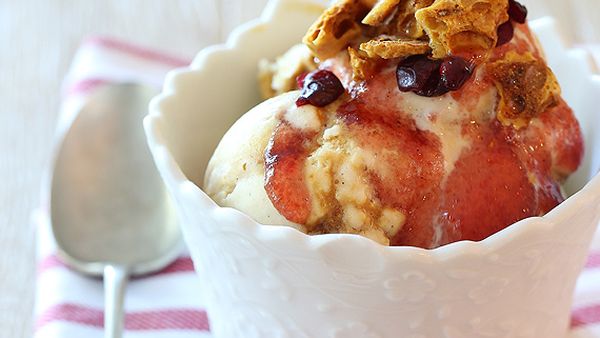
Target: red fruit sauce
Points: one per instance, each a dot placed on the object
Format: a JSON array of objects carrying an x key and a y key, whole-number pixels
[{"x": 505, "y": 175}]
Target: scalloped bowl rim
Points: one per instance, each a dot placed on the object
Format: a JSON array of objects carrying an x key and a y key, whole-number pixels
[{"x": 173, "y": 173}]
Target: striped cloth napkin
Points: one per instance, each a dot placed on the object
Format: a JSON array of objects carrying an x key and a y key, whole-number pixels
[{"x": 169, "y": 303}]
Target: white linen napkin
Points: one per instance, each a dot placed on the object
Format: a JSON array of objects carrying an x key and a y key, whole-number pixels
[
  {"x": 166, "y": 304},
  {"x": 169, "y": 303}
]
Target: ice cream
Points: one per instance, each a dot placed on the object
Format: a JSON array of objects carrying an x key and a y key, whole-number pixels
[{"x": 448, "y": 126}]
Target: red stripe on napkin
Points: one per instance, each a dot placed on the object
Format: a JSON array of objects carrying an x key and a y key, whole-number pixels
[
  {"x": 86, "y": 86},
  {"x": 174, "y": 319},
  {"x": 48, "y": 263},
  {"x": 181, "y": 264},
  {"x": 593, "y": 261},
  {"x": 141, "y": 52},
  {"x": 586, "y": 316}
]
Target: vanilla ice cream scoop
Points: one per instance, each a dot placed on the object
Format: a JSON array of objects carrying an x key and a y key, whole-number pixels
[{"x": 404, "y": 167}]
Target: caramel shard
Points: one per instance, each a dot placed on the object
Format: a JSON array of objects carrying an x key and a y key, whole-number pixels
[
  {"x": 404, "y": 23},
  {"x": 362, "y": 66},
  {"x": 279, "y": 77},
  {"x": 387, "y": 48},
  {"x": 527, "y": 88},
  {"x": 336, "y": 28},
  {"x": 418, "y": 4},
  {"x": 462, "y": 26},
  {"x": 382, "y": 10}
]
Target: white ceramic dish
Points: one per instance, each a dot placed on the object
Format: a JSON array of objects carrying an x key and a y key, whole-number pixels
[{"x": 266, "y": 281}]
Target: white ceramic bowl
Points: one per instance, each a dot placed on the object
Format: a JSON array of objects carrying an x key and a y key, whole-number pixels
[{"x": 267, "y": 281}]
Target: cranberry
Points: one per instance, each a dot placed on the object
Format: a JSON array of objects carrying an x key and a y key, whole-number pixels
[
  {"x": 434, "y": 86},
  {"x": 517, "y": 11},
  {"x": 455, "y": 71},
  {"x": 407, "y": 78},
  {"x": 427, "y": 77},
  {"x": 505, "y": 33},
  {"x": 417, "y": 73},
  {"x": 413, "y": 72},
  {"x": 320, "y": 88}
]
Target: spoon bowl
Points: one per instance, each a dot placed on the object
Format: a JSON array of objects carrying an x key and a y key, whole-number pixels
[{"x": 110, "y": 212}]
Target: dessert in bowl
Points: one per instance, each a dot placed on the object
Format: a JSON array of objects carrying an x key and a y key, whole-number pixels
[
  {"x": 391, "y": 142},
  {"x": 270, "y": 281}
]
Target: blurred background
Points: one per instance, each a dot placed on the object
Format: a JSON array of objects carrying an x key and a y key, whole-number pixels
[{"x": 38, "y": 40}]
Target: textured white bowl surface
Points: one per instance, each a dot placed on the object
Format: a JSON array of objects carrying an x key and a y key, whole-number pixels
[{"x": 269, "y": 281}]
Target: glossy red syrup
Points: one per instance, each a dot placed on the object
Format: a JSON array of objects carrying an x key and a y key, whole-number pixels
[
  {"x": 284, "y": 172},
  {"x": 413, "y": 160}
]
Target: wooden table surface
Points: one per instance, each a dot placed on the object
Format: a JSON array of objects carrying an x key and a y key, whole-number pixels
[{"x": 38, "y": 40}]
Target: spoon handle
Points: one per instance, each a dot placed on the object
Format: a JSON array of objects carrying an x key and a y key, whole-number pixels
[{"x": 115, "y": 282}]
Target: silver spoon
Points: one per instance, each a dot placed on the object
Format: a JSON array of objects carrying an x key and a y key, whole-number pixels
[{"x": 110, "y": 213}]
